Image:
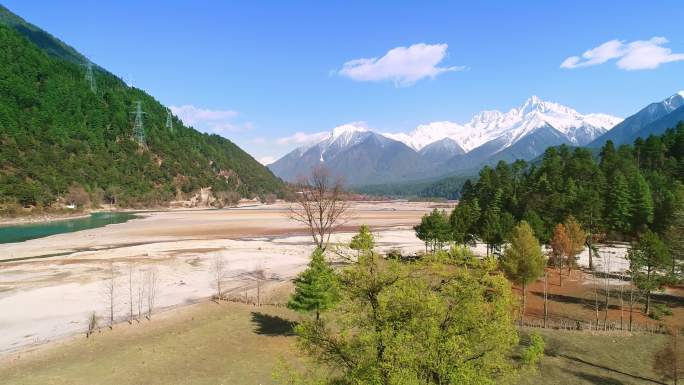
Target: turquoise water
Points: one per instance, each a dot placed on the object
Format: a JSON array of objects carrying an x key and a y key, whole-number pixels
[{"x": 24, "y": 232}]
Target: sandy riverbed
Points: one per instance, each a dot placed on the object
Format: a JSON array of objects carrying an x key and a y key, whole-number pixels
[
  {"x": 45, "y": 298},
  {"x": 49, "y": 286}
]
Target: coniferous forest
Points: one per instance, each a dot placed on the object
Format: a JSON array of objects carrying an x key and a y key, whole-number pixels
[
  {"x": 56, "y": 133},
  {"x": 616, "y": 194}
]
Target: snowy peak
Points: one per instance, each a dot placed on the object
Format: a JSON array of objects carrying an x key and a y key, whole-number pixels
[
  {"x": 673, "y": 102},
  {"x": 347, "y": 134},
  {"x": 511, "y": 126}
]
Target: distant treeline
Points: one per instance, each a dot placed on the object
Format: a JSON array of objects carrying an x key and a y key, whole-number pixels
[
  {"x": 57, "y": 133},
  {"x": 619, "y": 194},
  {"x": 446, "y": 188}
]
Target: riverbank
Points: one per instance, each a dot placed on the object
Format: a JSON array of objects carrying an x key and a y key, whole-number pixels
[{"x": 49, "y": 286}]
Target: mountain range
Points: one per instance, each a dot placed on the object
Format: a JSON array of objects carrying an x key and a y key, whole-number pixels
[{"x": 438, "y": 149}]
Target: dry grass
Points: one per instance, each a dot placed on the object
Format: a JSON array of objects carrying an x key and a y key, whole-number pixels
[{"x": 207, "y": 343}]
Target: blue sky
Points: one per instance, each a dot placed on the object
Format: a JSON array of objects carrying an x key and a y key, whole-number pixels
[{"x": 261, "y": 72}]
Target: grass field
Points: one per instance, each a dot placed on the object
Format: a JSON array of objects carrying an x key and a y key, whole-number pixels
[{"x": 231, "y": 343}]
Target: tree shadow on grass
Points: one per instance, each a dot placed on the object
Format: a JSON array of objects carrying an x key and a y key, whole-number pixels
[
  {"x": 270, "y": 325},
  {"x": 598, "y": 366},
  {"x": 595, "y": 379}
]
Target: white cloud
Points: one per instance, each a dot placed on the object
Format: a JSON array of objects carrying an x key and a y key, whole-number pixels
[
  {"x": 219, "y": 122},
  {"x": 266, "y": 160},
  {"x": 302, "y": 138},
  {"x": 402, "y": 65},
  {"x": 635, "y": 55}
]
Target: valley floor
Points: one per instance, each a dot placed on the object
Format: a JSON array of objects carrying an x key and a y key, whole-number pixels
[
  {"x": 230, "y": 343},
  {"x": 49, "y": 286}
]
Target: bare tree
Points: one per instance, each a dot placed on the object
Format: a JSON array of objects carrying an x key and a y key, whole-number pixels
[
  {"x": 109, "y": 293},
  {"x": 259, "y": 275},
  {"x": 141, "y": 294},
  {"x": 606, "y": 288},
  {"x": 218, "y": 274},
  {"x": 546, "y": 297},
  {"x": 320, "y": 205},
  {"x": 130, "y": 291},
  {"x": 92, "y": 324},
  {"x": 151, "y": 282}
]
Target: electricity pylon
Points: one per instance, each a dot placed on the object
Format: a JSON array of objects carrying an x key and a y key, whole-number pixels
[
  {"x": 138, "y": 129},
  {"x": 169, "y": 123},
  {"x": 90, "y": 77}
]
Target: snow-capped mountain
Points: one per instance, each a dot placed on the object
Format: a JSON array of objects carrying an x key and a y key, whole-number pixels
[
  {"x": 512, "y": 126},
  {"x": 652, "y": 119},
  {"x": 357, "y": 154},
  {"x": 366, "y": 157}
]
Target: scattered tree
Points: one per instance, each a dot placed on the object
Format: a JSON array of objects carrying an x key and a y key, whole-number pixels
[
  {"x": 316, "y": 288},
  {"x": 648, "y": 260},
  {"x": 463, "y": 220},
  {"x": 433, "y": 230},
  {"x": 320, "y": 205},
  {"x": 218, "y": 274},
  {"x": 151, "y": 283},
  {"x": 92, "y": 324},
  {"x": 560, "y": 247},
  {"x": 363, "y": 241},
  {"x": 109, "y": 293},
  {"x": 523, "y": 260},
  {"x": 415, "y": 323}
]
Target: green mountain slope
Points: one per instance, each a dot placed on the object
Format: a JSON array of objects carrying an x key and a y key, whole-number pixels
[
  {"x": 55, "y": 133},
  {"x": 42, "y": 39}
]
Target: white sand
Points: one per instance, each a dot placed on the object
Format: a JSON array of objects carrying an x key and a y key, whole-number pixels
[{"x": 43, "y": 299}]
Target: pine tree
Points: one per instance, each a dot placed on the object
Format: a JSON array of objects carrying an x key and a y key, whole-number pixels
[
  {"x": 523, "y": 260},
  {"x": 649, "y": 261},
  {"x": 316, "y": 288},
  {"x": 434, "y": 229},
  {"x": 619, "y": 205},
  {"x": 642, "y": 204},
  {"x": 463, "y": 220},
  {"x": 363, "y": 241}
]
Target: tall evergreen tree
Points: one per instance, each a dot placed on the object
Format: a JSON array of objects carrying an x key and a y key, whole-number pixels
[
  {"x": 649, "y": 262},
  {"x": 316, "y": 288},
  {"x": 463, "y": 219},
  {"x": 642, "y": 204},
  {"x": 619, "y": 204}
]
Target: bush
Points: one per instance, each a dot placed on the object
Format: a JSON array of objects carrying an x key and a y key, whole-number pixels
[
  {"x": 394, "y": 254},
  {"x": 658, "y": 311},
  {"x": 534, "y": 351}
]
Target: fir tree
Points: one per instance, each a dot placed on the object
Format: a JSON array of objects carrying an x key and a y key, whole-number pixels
[
  {"x": 648, "y": 261},
  {"x": 619, "y": 205},
  {"x": 363, "y": 241},
  {"x": 316, "y": 288},
  {"x": 642, "y": 204}
]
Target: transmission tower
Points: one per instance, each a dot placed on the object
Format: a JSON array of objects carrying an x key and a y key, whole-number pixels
[
  {"x": 90, "y": 77},
  {"x": 169, "y": 123},
  {"x": 138, "y": 129}
]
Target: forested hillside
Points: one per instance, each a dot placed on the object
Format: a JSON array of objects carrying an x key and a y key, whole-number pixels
[
  {"x": 620, "y": 194},
  {"x": 56, "y": 133}
]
